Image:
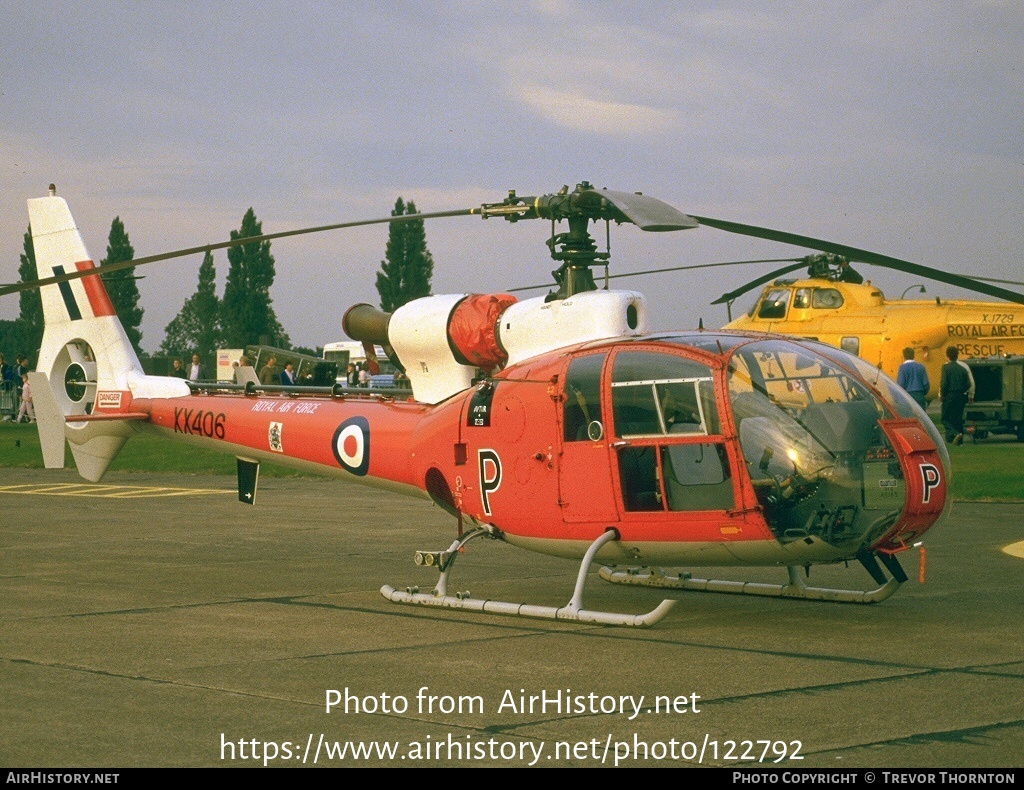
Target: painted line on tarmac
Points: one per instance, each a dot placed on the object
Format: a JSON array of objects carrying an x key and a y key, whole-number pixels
[
  {"x": 1015, "y": 549},
  {"x": 107, "y": 491}
]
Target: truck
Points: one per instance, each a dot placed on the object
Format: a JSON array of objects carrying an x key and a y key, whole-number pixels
[{"x": 998, "y": 405}]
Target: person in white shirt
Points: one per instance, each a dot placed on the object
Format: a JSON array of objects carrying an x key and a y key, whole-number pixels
[{"x": 195, "y": 370}]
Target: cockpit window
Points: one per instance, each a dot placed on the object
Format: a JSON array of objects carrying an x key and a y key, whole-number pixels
[
  {"x": 818, "y": 459},
  {"x": 583, "y": 399},
  {"x": 775, "y": 303},
  {"x": 657, "y": 394},
  {"x": 826, "y": 298},
  {"x": 903, "y": 404},
  {"x": 697, "y": 477}
]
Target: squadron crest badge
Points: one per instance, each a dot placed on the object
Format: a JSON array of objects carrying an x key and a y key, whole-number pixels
[{"x": 274, "y": 437}]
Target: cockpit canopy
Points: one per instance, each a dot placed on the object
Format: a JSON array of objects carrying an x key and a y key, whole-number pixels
[{"x": 695, "y": 421}]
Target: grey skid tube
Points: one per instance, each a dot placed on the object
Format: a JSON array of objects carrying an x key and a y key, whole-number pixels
[
  {"x": 796, "y": 588},
  {"x": 564, "y": 613},
  {"x": 572, "y": 612}
]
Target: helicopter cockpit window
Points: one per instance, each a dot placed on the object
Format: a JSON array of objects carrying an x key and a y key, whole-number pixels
[
  {"x": 904, "y": 405},
  {"x": 774, "y": 304},
  {"x": 819, "y": 462},
  {"x": 657, "y": 394},
  {"x": 826, "y": 298},
  {"x": 802, "y": 300},
  {"x": 583, "y": 399},
  {"x": 697, "y": 477}
]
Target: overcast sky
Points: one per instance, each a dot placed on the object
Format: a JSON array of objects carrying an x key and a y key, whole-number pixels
[{"x": 895, "y": 126}]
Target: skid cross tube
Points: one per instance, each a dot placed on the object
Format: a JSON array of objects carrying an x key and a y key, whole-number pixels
[{"x": 572, "y": 612}]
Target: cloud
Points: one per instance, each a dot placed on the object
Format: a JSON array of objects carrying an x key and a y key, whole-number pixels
[{"x": 576, "y": 111}]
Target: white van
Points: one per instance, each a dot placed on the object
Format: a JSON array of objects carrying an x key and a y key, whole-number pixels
[{"x": 351, "y": 351}]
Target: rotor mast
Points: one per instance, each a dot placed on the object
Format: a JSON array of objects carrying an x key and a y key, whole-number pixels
[{"x": 575, "y": 249}]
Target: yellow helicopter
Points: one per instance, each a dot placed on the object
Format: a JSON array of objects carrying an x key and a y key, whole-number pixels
[{"x": 833, "y": 304}]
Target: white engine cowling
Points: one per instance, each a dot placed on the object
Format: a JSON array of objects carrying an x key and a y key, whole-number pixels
[
  {"x": 443, "y": 340},
  {"x": 533, "y": 326},
  {"x": 418, "y": 332}
]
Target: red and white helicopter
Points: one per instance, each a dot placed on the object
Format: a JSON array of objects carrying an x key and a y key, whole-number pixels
[{"x": 557, "y": 424}]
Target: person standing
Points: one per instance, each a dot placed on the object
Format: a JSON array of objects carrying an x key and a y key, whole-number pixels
[
  {"x": 288, "y": 375},
  {"x": 270, "y": 373},
  {"x": 243, "y": 362},
  {"x": 8, "y": 401},
  {"x": 953, "y": 390},
  {"x": 970, "y": 377},
  {"x": 19, "y": 371},
  {"x": 913, "y": 377},
  {"x": 26, "y": 410},
  {"x": 195, "y": 370}
]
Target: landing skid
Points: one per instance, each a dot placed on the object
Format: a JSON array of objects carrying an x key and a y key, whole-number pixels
[
  {"x": 797, "y": 588},
  {"x": 572, "y": 612}
]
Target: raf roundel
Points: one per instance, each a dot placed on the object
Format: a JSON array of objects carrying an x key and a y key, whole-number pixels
[{"x": 352, "y": 445}]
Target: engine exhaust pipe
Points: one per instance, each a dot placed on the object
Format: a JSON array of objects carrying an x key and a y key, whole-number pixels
[{"x": 367, "y": 324}]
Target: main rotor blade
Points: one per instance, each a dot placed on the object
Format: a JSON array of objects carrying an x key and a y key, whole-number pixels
[
  {"x": 856, "y": 254},
  {"x": 116, "y": 267},
  {"x": 994, "y": 280},
  {"x": 648, "y": 213},
  {"x": 732, "y": 295},
  {"x": 669, "y": 269}
]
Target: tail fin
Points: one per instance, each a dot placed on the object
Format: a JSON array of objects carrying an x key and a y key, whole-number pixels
[{"x": 85, "y": 354}]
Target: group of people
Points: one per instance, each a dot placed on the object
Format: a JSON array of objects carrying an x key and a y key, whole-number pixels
[
  {"x": 358, "y": 375},
  {"x": 268, "y": 374},
  {"x": 272, "y": 374},
  {"x": 15, "y": 385},
  {"x": 956, "y": 389},
  {"x": 192, "y": 372}
]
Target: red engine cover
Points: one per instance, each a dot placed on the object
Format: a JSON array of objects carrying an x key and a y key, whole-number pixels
[{"x": 471, "y": 329}]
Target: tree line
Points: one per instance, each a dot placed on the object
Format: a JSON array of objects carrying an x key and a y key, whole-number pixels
[{"x": 244, "y": 315}]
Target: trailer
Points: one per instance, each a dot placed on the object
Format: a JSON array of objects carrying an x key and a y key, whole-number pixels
[{"x": 998, "y": 405}]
